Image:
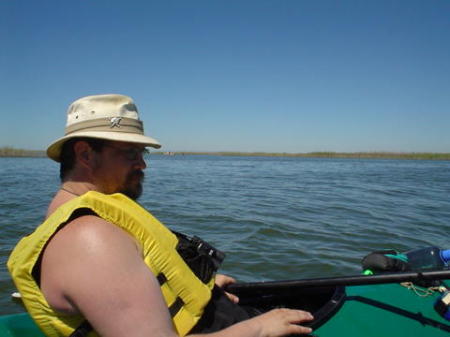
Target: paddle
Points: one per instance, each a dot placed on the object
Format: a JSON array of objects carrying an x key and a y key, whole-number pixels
[{"x": 342, "y": 281}]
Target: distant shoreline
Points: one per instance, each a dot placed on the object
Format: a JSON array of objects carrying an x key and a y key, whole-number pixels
[
  {"x": 362, "y": 155},
  {"x": 8, "y": 151},
  {"x": 17, "y": 153}
]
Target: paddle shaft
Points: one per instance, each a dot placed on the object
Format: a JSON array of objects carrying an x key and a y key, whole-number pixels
[{"x": 344, "y": 281}]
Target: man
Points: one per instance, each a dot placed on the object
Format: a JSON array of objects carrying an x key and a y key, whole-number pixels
[{"x": 101, "y": 264}]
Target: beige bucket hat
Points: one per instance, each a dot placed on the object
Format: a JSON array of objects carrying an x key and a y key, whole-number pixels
[{"x": 113, "y": 117}]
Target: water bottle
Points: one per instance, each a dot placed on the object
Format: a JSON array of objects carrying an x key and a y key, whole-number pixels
[{"x": 428, "y": 258}]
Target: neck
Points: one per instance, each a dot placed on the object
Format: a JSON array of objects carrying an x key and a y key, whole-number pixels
[
  {"x": 76, "y": 189},
  {"x": 69, "y": 189}
]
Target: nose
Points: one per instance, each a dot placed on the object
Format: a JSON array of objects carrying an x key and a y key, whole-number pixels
[{"x": 141, "y": 162}]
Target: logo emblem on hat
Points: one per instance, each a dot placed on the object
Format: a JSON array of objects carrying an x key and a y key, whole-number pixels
[{"x": 115, "y": 122}]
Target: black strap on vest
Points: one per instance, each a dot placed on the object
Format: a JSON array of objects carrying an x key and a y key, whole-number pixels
[
  {"x": 161, "y": 279},
  {"x": 178, "y": 304},
  {"x": 82, "y": 330}
]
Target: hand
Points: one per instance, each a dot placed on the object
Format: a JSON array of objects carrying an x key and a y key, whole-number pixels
[
  {"x": 224, "y": 280},
  {"x": 282, "y": 322}
]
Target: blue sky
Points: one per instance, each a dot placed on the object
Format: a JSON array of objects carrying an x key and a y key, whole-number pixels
[{"x": 272, "y": 76}]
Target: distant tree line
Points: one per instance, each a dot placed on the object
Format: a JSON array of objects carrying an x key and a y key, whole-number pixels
[
  {"x": 8, "y": 151},
  {"x": 368, "y": 155}
]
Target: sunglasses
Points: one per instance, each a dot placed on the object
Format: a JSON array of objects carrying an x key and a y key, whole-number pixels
[{"x": 132, "y": 153}]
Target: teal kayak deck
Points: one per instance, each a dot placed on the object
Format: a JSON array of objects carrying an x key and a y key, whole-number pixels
[
  {"x": 16, "y": 325},
  {"x": 386, "y": 310}
]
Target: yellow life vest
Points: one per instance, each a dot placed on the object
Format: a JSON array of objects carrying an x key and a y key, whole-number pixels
[{"x": 185, "y": 295}]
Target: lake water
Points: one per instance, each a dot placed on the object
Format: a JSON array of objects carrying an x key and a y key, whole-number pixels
[{"x": 277, "y": 218}]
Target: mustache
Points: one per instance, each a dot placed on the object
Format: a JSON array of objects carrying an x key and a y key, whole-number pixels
[{"x": 137, "y": 174}]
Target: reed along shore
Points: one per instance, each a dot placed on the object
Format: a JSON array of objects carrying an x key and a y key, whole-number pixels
[
  {"x": 13, "y": 152},
  {"x": 362, "y": 155}
]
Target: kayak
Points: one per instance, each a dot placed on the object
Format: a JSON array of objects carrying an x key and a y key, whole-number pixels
[
  {"x": 373, "y": 309},
  {"x": 382, "y": 310},
  {"x": 19, "y": 325}
]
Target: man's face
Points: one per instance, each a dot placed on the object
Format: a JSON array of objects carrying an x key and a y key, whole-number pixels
[{"x": 119, "y": 169}]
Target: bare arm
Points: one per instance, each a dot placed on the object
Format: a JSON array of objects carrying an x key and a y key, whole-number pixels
[{"x": 95, "y": 268}]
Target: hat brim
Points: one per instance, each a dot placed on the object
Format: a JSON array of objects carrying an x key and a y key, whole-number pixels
[{"x": 54, "y": 149}]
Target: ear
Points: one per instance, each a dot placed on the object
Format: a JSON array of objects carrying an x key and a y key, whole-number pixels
[{"x": 83, "y": 153}]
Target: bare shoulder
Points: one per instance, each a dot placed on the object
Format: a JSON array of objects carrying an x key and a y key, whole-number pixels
[
  {"x": 90, "y": 233},
  {"x": 95, "y": 268},
  {"x": 89, "y": 239},
  {"x": 90, "y": 225},
  {"x": 85, "y": 247}
]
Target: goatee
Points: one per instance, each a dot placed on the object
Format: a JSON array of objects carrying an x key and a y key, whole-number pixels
[{"x": 133, "y": 185}]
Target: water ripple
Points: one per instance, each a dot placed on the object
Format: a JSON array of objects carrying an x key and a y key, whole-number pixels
[{"x": 277, "y": 218}]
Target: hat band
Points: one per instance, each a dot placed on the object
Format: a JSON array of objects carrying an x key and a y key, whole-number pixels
[{"x": 114, "y": 124}]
